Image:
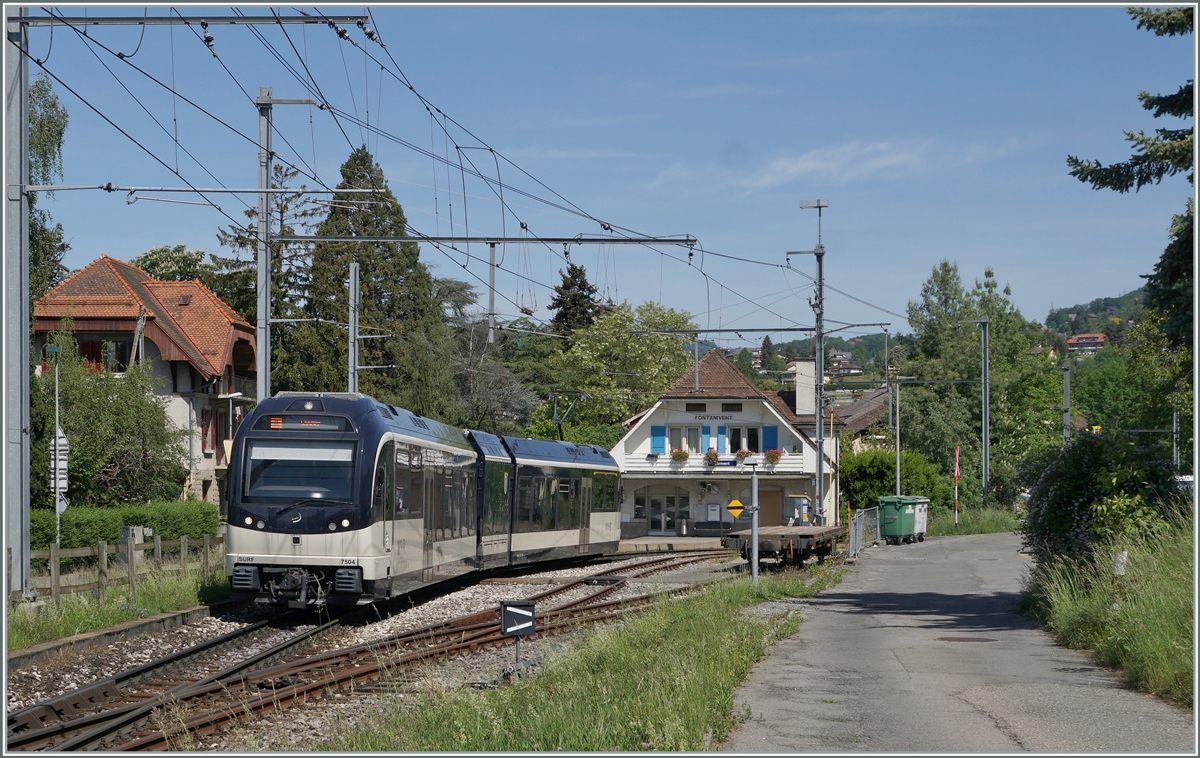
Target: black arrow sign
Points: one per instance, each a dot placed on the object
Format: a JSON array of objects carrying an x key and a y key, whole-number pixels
[{"x": 516, "y": 618}]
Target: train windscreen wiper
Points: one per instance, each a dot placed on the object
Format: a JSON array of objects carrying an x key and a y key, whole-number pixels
[{"x": 307, "y": 501}]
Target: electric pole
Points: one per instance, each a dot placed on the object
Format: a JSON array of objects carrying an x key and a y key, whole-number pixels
[
  {"x": 818, "y": 307},
  {"x": 1066, "y": 421}
]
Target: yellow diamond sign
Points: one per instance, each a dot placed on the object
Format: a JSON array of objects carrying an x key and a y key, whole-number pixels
[{"x": 735, "y": 508}]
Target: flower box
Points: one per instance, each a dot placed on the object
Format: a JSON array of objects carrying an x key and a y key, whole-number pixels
[
  {"x": 772, "y": 456},
  {"x": 711, "y": 458},
  {"x": 742, "y": 455},
  {"x": 679, "y": 455}
]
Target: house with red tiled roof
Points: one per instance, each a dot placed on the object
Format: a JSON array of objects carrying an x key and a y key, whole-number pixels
[
  {"x": 674, "y": 485},
  {"x": 1088, "y": 343},
  {"x": 201, "y": 352}
]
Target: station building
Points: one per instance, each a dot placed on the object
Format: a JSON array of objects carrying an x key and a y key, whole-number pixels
[{"x": 674, "y": 485}]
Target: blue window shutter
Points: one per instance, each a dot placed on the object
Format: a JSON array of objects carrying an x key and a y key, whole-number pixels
[
  {"x": 721, "y": 440},
  {"x": 705, "y": 438},
  {"x": 770, "y": 438},
  {"x": 658, "y": 439}
]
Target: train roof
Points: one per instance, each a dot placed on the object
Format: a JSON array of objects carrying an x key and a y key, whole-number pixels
[
  {"x": 488, "y": 444},
  {"x": 398, "y": 419},
  {"x": 558, "y": 452}
]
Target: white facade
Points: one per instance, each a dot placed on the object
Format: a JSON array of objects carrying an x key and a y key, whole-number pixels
[{"x": 664, "y": 496}]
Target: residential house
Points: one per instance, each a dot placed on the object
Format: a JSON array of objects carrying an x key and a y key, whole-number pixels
[
  {"x": 726, "y": 414},
  {"x": 201, "y": 352},
  {"x": 1086, "y": 344}
]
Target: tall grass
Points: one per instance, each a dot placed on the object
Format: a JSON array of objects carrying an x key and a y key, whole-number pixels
[
  {"x": 665, "y": 680},
  {"x": 973, "y": 520},
  {"x": 1141, "y": 622},
  {"x": 157, "y": 592}
]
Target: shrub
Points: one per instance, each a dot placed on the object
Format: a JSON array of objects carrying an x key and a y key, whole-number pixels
[
  {"x": 1068, "y": 486},
  {"x": 84, "y": 527},
  {"x": 872, "y": 473}
]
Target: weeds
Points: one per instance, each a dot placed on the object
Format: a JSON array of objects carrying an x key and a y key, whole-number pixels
[
  {"x": 970, "y": 521},
  {"x": 157, "y": 592},
  {"x": 664, "y": 680},
  {"x": 1141, "y": 621}
]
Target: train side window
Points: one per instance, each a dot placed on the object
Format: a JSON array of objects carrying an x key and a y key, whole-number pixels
[
  {"x": 550, "y": 505},
  {"x": 540, "y": 508},
  {"x": 525, "y": 493},
  {"x": 384, "y": 486},
  {"x": 401, "y": 466},
  {"x": 416, "y": 484}
]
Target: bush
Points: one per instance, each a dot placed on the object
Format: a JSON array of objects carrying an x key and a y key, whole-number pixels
[
  {"x": 1068, "y": 487},
  {"x": 871, "y": 473},
  {"x": 84, "y": 527}
]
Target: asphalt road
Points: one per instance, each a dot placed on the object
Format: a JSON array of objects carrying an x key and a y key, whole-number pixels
[{"x": 918, "y": 650}]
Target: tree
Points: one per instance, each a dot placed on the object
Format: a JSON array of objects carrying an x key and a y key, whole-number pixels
[
  {"x": 47, "y": 243},
  {"x": 176, "y": 263},
  {"x": 574, "y": 302},
  {"x": 396, "y": 299},
  {"x": 867, "y": 475},
  {"x": 1165, "y": 153},
  {"x": 745, "y": 364},
  {"x": 620, "y": 372},
  {"x": 123, "y": 446}
]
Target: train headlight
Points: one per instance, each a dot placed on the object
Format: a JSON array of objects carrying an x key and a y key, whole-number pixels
[
  {"x": 249, "y": 520},
  {"x": 332, "y": 526},
  {"x": 261, "y": 524},
  {"x": 345, "y": 523}
]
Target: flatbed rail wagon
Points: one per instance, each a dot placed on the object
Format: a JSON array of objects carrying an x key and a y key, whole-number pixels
[{"x": 788, "y": 545}]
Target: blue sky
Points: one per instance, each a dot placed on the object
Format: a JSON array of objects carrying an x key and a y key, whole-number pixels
[{"x": 935, "y": 132}]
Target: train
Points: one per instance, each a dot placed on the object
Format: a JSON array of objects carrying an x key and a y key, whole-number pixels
[{"x": 340, "y": 499}]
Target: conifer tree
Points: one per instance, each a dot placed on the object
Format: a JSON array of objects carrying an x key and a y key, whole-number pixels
[
  {"x": 1165, "y": 153},
  {"x": 574, "y": 302}
]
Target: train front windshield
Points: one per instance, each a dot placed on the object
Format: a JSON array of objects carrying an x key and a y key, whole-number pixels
[{"x": 284, "y": 471}]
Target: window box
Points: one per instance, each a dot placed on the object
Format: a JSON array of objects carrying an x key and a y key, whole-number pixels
[
  {"x": 742, "y": 455},
  {"x": 772, "y": 456},
  {"x": 711, "y": 458},
  {"x": 679, "y": 455}
]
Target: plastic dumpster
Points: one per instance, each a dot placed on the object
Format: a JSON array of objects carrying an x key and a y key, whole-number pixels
[{"x": 903, "y": 518}]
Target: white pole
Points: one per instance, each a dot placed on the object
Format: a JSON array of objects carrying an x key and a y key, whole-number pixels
[
  {"x": 754, "y": 522},
  {"x": 57, "y": 514}
]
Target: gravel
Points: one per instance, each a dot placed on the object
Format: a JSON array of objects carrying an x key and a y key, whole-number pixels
[
  {"x": 303, "y": 727},
  {"x": 76, "y": 668}
]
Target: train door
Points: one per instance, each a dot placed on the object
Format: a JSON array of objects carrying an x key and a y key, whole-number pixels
[
  {"x": 585, "y": 514},
  {"x": 383, "y": 510}
]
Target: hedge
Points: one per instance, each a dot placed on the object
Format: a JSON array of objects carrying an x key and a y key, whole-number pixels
[{"x": 84, "y": 527}]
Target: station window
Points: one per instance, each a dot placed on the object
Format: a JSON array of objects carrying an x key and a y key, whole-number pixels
[
  {"x": 744, "y": 438},
  {"x": 684, "y": 438},
  {"x": 695, "y": 407},
  {"x": 731, "y": 407}
]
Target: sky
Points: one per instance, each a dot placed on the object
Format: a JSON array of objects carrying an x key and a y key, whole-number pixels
[{"x": 934, "y": 132}]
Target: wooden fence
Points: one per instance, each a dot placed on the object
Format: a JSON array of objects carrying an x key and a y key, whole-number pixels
[{"x": 104, "y": 576}]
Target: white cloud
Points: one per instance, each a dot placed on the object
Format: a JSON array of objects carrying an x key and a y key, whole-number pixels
[{"x": 841, "y": 164}]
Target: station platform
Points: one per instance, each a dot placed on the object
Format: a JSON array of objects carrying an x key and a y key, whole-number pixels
[{"x": 668, "y": 544}]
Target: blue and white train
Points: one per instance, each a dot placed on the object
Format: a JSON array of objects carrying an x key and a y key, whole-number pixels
[{"x": 338, "y": 498}]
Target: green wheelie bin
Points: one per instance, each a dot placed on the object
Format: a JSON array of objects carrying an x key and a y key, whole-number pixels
[{"x": 903, "y": 518}]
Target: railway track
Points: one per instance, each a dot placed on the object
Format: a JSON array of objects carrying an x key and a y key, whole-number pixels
[{"x": 127, "y": 713}]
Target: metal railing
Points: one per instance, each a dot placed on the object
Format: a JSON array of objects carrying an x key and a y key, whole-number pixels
[{"x": 864, "y": 530}]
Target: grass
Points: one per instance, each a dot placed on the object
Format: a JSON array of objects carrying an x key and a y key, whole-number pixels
[
  {"x": 157, "y": 592},
  {"x": 1141, "y": 622},
  {"x": 664, "y": 680},
  {"x": 972, "y": 520}
]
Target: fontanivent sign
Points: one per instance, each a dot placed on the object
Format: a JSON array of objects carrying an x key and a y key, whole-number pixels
[{"x": 708, "y": 417}]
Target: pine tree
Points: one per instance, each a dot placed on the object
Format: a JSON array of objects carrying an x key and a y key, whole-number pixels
[
  {"x": 1165, "y": 153},
  {"x": 396, "y": 299},
  {"x": 573, "y": 303}
]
